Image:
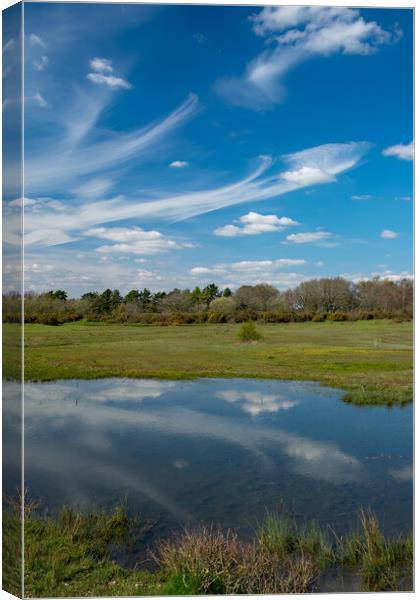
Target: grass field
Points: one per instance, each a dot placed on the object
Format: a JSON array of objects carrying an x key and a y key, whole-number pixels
[{"x": 372, "y": 360}]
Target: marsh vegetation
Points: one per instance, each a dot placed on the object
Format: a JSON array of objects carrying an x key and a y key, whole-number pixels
[{"x": 71, "y": 555}]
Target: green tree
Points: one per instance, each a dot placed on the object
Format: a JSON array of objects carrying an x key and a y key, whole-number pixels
[
  {"x": 132, "y": 296},
  {"x": 57, "y": 294},
  {"x": 210, "y": 292}
]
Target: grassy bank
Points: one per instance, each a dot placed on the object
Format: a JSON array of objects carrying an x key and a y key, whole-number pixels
[
  {"x": 70, "y": 556},
  {"x": 372, "y": 360}
]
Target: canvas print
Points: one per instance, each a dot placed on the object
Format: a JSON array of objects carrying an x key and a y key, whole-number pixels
[{"x": 207, "y": 299}]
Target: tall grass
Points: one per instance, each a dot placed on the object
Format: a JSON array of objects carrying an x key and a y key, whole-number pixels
[
  {"x": 384, "y": 564},
  {"x": 71, "y": 556},
  {"x": 284, "y": 536}
]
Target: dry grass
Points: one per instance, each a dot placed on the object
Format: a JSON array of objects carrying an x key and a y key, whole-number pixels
[{"x": 207, "y": 561}]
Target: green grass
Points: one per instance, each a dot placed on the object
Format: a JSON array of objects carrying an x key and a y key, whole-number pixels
[
  {"x": 70, "y": 555},
  {"x": 372, "y": 360}
]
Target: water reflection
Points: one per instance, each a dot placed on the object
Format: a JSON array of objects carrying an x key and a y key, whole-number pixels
[
  {"x": 217, "y": 450},
  {"x": 256, "y": 403}
]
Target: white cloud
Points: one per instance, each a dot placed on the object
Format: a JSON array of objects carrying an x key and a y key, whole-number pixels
[
  {"x": 40, "y": 100},
  {"x": 254, "y": 223},
  {"x": 109, "y": 80},
  {"x": 144, "y": 275},
  {"x": 361, "y": 197},
  {"x": 9, "y": 45},
  {"x": 47, "y": 237},
  {"x": 307, "y": 176},
  {"x": 385, "y": 275},
  {"x": 179, "y": 164},
  {"x": 134, "y": 240},
  {"x": 251, "y": 272},
  {"x": 22, "y": 202},
  {"x": 94, "y": 188},
  {"x": 201, "y": 270},
  {"x": 36, "y": 40},
  {"x": 389, "y": 275},
  {"x": 404, "y": 152},
  {"x": 245, "y": 265},
  {"x": 299, "y": 33},
  {"x": 199, "y": 37},
  {"x": 40, "y": 63},
  {"x": 308, "y": 237},
  {"x": 101, "y": 65},
  {"x": 388, "y": 234},
  {"x": 103, "y": 68}
]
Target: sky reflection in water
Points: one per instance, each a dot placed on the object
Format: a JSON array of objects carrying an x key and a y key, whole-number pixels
[{"x": 219, "y": 451}]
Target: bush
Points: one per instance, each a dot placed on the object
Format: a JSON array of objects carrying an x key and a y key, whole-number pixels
[
  {"x": 245, "y": 314},
  {"x": 319, "y": 317},
  {"x": 248, "y": 332},
  {"x": 337, "y": 316},
  {"x": 216, "y": 317}
]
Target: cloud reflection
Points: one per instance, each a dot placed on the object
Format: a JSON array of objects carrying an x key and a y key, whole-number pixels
[
  {"x": 102, "y": 414},
  {"x": 255, "y": 403}
]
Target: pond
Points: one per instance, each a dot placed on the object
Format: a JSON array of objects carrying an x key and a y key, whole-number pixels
[{"x": 220, "y": 451}]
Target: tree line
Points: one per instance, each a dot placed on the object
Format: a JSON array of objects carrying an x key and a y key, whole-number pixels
[{"x": 317, "y": 300}]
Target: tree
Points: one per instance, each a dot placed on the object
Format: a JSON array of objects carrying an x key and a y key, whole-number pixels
[
  {"x": 57, "y": 295},
  {"x": 223, "y": 305},
  {"x": 321, "y": 295},
  {"x": 132, "y": 296},
  {"x": 177, "y": 300},
  {"x": 109, "y": 300},
  {"x": 196, "y": 295},
  {"x": 227, "y": 292},
  {"x": 209, "y": 293},
  {"x": 256, "y": 297},
  {"x": 145, "y": 299}
]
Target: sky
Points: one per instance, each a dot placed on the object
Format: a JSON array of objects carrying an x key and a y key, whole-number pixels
[{"x": 174, "y": 146}]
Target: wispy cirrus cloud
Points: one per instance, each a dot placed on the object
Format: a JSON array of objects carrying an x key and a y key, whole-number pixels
[
  {"x": 40, "y": 63},
  {"x": 254, "y": 223},
  {"x": 266, "y": 181},
  {"x": 297, "y": 34},
  {"x": 36, "y": 40},
  {"x": 39, "y": 100},
  {"x": 73, "y": 158},
  {"x": 401, "y": 151}
]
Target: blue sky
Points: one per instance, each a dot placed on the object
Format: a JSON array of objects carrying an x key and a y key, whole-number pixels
[{"x": 178, "y": 145}]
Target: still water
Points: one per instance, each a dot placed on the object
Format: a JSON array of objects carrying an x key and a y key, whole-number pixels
[{"x": 221, "y": 451}]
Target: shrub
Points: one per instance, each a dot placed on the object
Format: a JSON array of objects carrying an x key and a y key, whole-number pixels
[
  {"x": 216, "y": 317},
  {"x": 270, "y": 316},
  {"x": 209, "y": 562},
  {"x": 337, "y": 316},
  {"x": 319, "y": 317},
  {"x": 248, "y": 332}
]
